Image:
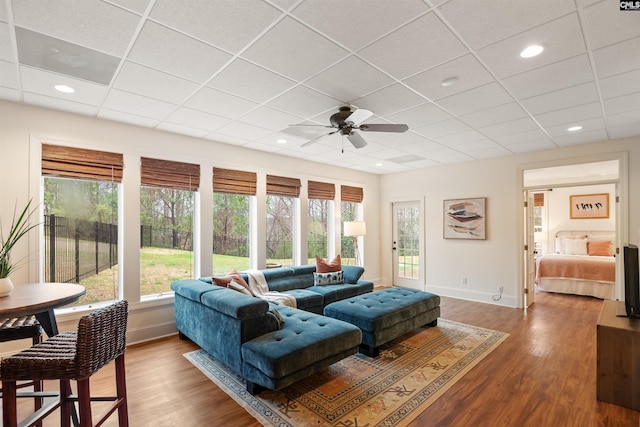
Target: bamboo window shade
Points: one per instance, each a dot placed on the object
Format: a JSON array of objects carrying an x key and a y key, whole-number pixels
[
  {"x": 169, "y": 174},
  {"x": 538, "y": 199},
  {"x": 234, "y": 182},
  {"x": 283, "y": 186},
  {"x": 321, "y": 190},
  {"x": 351, "y": 194},
  {"x": 80, "y": 163}
]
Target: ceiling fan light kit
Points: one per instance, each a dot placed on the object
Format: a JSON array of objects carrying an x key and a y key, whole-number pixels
[{"x": 346, "y": 122}]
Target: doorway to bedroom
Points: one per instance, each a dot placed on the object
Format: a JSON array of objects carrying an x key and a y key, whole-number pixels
[{"x": 572, "y": 226}]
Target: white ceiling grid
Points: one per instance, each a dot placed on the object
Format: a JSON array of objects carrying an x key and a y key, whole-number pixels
[{"x": 241, "y": 72}]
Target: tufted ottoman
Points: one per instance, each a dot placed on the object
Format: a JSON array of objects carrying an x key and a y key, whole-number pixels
[
  {"x": 305, "y": 344},
  {"x": 386, "y": 314}
]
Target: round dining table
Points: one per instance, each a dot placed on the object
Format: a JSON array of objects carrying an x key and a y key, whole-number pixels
[{"x": 40, "y": 299}]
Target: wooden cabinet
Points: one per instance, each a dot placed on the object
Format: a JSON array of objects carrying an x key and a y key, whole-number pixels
[{"x": 618, "y": 369}]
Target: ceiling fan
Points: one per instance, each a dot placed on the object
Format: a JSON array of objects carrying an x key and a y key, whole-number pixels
[{"x": 346, "y": 122}]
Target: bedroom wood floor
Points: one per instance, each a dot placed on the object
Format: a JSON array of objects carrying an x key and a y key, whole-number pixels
[{"x": 544, "y": 374}]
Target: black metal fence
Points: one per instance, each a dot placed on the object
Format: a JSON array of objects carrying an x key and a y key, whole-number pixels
[{"x": 161, "y": 237}]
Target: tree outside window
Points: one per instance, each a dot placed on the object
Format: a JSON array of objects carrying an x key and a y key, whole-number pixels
[
  {"x": 231, "y": 232},
  {"x": 280, "y": 230}
]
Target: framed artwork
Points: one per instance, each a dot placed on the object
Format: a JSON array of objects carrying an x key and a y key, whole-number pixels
[
  {"x": 465, "y": 219},
  {"x": 589, "y": 206}
]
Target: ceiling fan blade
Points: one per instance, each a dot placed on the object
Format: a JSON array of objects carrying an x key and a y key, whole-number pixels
[
  {"x": 317, "y": 138},
  {"x": 356, "y": 140},
  {"x": 359, "y": 116},
  {"x": 383, "y": 127}
]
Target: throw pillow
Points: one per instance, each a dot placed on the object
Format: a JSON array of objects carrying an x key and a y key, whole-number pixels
[
  {"x": 575, "y": 246},
  {"x": 323, "y": 266},
  {"x": 333, "y": 278},
  {"x": 221, "y": 281},
  {"x": 240, "y": 281},
  {"x": 599, "y": 248},
  {"x": 239, "y": 288}
]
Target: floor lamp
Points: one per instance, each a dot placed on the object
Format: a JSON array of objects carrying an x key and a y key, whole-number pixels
[{"x": 355, "y": 229}]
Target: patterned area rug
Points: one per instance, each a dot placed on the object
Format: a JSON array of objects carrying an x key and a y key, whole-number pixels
[{"x": 391, "y": 390}]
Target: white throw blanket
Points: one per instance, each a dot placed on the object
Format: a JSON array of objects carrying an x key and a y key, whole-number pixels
[{"x": 258, "y": 285}]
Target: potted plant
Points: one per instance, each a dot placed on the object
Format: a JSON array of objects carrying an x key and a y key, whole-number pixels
[{"x": 19, "y": 228}]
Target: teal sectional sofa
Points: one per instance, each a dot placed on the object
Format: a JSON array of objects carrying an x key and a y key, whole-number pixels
[{"x": 270, "y": 349}]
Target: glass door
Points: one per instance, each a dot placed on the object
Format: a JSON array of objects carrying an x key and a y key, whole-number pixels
[{"x": 408, "y": 264}]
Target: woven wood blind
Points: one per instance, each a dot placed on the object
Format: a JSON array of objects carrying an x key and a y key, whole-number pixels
[
  {"x": 351, "y": 194},
  {"x": 70, "y": 162},
  {"x": 283, "y": 186},
  {"x": 234, "y": 182},
  {"x": 169, "y": 174},
  {"x": 321, "y": 190},
  {"x": 538, "y": 199}
]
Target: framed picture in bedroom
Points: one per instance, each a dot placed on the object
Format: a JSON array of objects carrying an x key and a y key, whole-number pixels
[
  {"x": 589, "y": 206},
  {"x": 465, "y": 219}
]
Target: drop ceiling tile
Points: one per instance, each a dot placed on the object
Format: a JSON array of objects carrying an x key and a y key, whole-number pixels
[
  {"x": 621, "y": 84},
  {"x": 3, "y": 11},
  {"x": 617, "y": 58},
  {"x": 133, "y": 119},
  {"x": 507, "y": 128},
  {"x": 304, "y": 102},
  {"x": 244, "y": 131},
  {"x": 225, "y": 139},
  {"x": 389, "y": 100},
  {"x": 291, "y": 140},
  {"x": 560, "y": 75},
  {"x": 182, "y": 130},
  {"x": 426, "y": 41},
  {"x": 294, "y": 50},
  {"x": 397, "y": 140},
  {"x": 588, "y": 125},
  {"x": 581, "y": 138},
  {"x": 250, "y": 81},
  {"x": 6, "y": 45},
  {"x": 219, "y": 103},
  {"x": 535, "y": 145},
  {"x": 494, "y": 115},
  {"x": 448, "y": 155},
  {"x": 8, "y": 75},
  {"x": 561, "y": 37},
  {"x": 622, "y": 104},
  {"x": 461, "y": 138},
  {"x": 270, "y": 118},
  {"x": 483, "y": 22},
  {"x": 91, "y": 23},
  {"x": 228, "y": 24},
  {"x": 377, "y": 18},
  {"x": 197, "y": 119},
  {"x": 151, "y": 83},
  {"x": 624, "y": 119},
  {"x": 484, "y": 150},
  {"x": 516, "y": 138},
  {"x": 563, "y": 98},
  {"x": 606, "y": 24},
  {"x": 126, "y": 102},
  {"x": 624, "y": 131},
  {"x": 443, "y": 128},
  {"x": 466, "y": 69},
  {"x": 172, "y": 52},
  {"x": 570, "y": 115},
  {"x": 59, "y": 104},
  {"x": 43, "y": 82},
  {"x": 10, "y": 94},
  {"x": 476, "y": 99},
  {"x": 137, "y": 6},
  {"x": 421, "y": 115},
  {"x": 350, "y": 79}
]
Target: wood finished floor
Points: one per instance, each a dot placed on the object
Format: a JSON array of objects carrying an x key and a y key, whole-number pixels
[{"x": 544, "y": 374}]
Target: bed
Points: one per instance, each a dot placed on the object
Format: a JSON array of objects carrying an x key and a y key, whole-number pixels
[{"x": 583, "y": 264}]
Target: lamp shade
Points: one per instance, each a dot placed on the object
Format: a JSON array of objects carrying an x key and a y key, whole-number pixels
[{"x": 355, "y": 228}]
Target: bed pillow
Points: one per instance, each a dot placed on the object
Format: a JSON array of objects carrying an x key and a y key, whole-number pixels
[
  {"x": 599, "y": 248},
  {"x": 333, "y": 278},
  {"x": 323, "y": 266},
  {"x": 561, "y": 243},
  {"x": 575, "y": 246}
]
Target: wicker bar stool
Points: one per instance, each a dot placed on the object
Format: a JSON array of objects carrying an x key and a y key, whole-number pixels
[{"x": 100, "y": 338}]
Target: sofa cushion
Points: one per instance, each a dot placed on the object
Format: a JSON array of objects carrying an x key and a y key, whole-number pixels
[
  {"x": 235, "y": 304},
  {"x": 306, "y": 299},
  {"x": 323, "y": 266},
  {"x": 332, "y": 293}
]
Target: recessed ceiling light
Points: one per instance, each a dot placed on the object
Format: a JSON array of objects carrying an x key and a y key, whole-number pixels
[
  {"x": 379, "y": 164},
  {"x": 531, "y": 51},
  {"x": 281, "y": 141},
  {"x": 449, "y": 82},
  {"x": 64, "y": 88},
  {"x": 574, "y": 128}
]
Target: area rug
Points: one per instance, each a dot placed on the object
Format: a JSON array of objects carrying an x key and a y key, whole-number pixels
[{"x": 392, "y": 389}]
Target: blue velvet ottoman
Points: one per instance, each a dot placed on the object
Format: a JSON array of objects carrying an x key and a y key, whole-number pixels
[
  {"x": 386, "y": 314},
  {"x": 307, "y": 343}
]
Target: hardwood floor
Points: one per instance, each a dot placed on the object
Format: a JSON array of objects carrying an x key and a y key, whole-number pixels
[{"x": 544, "y": 374}]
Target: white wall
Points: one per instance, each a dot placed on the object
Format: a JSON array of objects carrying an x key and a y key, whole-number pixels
[
  {"x": 23, "y": 127},
  {"x": 494, "y": 262}
]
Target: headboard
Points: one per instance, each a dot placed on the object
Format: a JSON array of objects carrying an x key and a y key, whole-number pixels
[{"x": 587, "y": 235}]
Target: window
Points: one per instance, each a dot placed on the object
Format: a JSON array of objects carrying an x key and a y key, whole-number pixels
[
  {"x": 282, "y": 205},
  {"x": 232, "y": 195},
  {"x": 81, "y": 220},
  {"x": 351, "y": 198},
  {"x": 321, "y": 197},
  {"x": 166, "y": 223}
]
